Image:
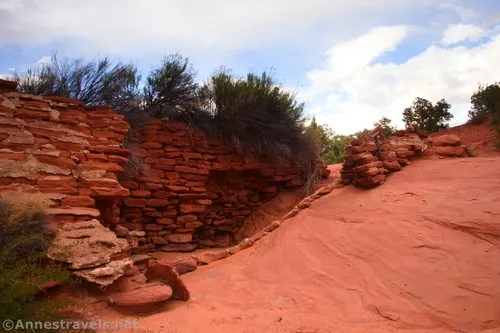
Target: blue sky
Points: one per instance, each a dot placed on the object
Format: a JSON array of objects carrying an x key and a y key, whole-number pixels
[{"x": 351, "y": 62}]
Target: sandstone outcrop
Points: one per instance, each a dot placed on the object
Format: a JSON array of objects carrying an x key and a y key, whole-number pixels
[
  {"x": 67, "y": 151},
  {"x": 92, "y": 251},
  {"x": 173, "y": 188},
  {"x": 368, "y": 160},
  {"x": 448, "y": 145},
  {"x": 165, "y": 272}
]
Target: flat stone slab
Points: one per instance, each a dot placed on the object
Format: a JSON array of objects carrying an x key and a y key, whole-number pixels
[{"x": 141, "y": 297}]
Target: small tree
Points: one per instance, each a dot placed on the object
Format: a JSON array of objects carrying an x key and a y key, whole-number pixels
[
  {"x": 485, "y": 101},
  {"x": 385, "y": 124},
  {"x": 320, "y": 134},
  {"x": 172, "y": 85},
  {"x": 329, "y": 145},
  {"x": 426, "y": 116}
]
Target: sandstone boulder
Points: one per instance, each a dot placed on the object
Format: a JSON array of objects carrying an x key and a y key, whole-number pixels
[
  {"x": 392, "y": 165},
  {"x": 450, "y": 151},
  {"x": 142, "y": 298},
  {"x": 168, "y": 274},
  {"x": 209, "y": 257},
  {"x": 86, "y": 244},
  {"x": 106, "y": 274},
  {"x": 185, "y": 247},
  {"x": 446, "y": 140}
]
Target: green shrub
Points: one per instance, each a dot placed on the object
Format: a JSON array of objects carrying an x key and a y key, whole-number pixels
[
  {"x": 329, "y": 145},
  {"x": 427, "y": 116},
  {"x": 24, "y": 239},
  {"x": 257, "y": 116},
  {"x": 485, "y": 103},
  {"x": 385, "y": 125},
  {"x": 254, "y": 113}
]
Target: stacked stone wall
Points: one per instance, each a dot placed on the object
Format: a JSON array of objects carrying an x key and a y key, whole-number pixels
[
  {"x": 188, "y": 190},
  {"x": 370, "y": 159}
]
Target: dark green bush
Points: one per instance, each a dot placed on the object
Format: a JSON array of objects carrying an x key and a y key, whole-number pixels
[
  {"x": 387, "y": 129},
  {"x": 257, "y": 116},
  {"x": 485, "y": 103},
  {"x": 329, "y": 145},
  {"x": 254, "y": 113},
  {"x": 427, "y": 116},
  {"x": 24, "y": 239}
]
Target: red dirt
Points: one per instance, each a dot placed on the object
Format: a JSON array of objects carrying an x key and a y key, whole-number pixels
[
  {"x": 480, "y": 139},
  {"x": 420, "y": 252}
]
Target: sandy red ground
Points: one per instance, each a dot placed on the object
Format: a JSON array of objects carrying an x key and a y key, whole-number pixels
[{"x": 421, "y": 253}]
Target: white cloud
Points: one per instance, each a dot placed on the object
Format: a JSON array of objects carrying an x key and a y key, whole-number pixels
[
  {"x": 355, "y": 100},
  {"x": 457, "y": 33},
  {"x": 348, "y": 58},
  {"x": 44, "y": 60}
]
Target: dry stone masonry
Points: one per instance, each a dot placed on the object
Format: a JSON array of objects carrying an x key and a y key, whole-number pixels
[
  {"x": 368, "y": 160},
  {"x": 191, "y": 191},
  {"x": 172, "y": 188}
]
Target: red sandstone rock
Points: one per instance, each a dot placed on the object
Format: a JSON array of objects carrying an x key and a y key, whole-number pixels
[
  {"x": 193, "y": 225},
  {"x": 392, "y": 166},
  {"x": 56, "y": 181},
  {"x": 118, "y": 159},
  {"x": 7, "y": 86},
  {"x": 110, "y": 149},
  {"x": 184, "y": 247},
  {"x": 187, "y": 209},
  {"x": 450, "y": 151},
  {"x": 179, "y": 238},
  {"x": 150, "y": 294},
  {"x": 209, "y": 257},
  {"x": 140, "y": 193},
  {"x": 158, "y": 202},
  {"x": 446, "y": 140},
  {"x": 164, "y": 220},
  {"x": 168, "y": 274},
  {"x": 272, "y": 226},
  {"x": 109, "y": 193},
  {"x": 78, "y": 201},
  {"x": 193, "y": 156},
  {"x": 370, "y": 172},
  {"x": 101, "y": 166},
  {"x": 135, "y": 202},
  {"x": 182, "y": 265},
  {"x": 367, "y": 167},
  {"x": 368, "y": 182},
  {"x": 130, "y": 184},
  {"x": 185, "y": 169},
  {"x": 154, "y": 227},
  {"x": 159, "y": 240}
]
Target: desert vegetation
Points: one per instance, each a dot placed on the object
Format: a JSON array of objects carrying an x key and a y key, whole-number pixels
[
  {"x": 486, "y": 107},
  {"x": 427, "y": 116},
  {"x": 254, "y": 113},
  {"x": 24, "y": 269}
]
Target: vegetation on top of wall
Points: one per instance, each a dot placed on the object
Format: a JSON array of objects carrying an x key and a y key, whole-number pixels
[
  {"x": 24, "y": 239},
  {"x": 427, "y": 116},
  {"x": 98, "y": 82},
  {"x": 385, "y": 125},
  {"x": 254, "y": 113}
]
